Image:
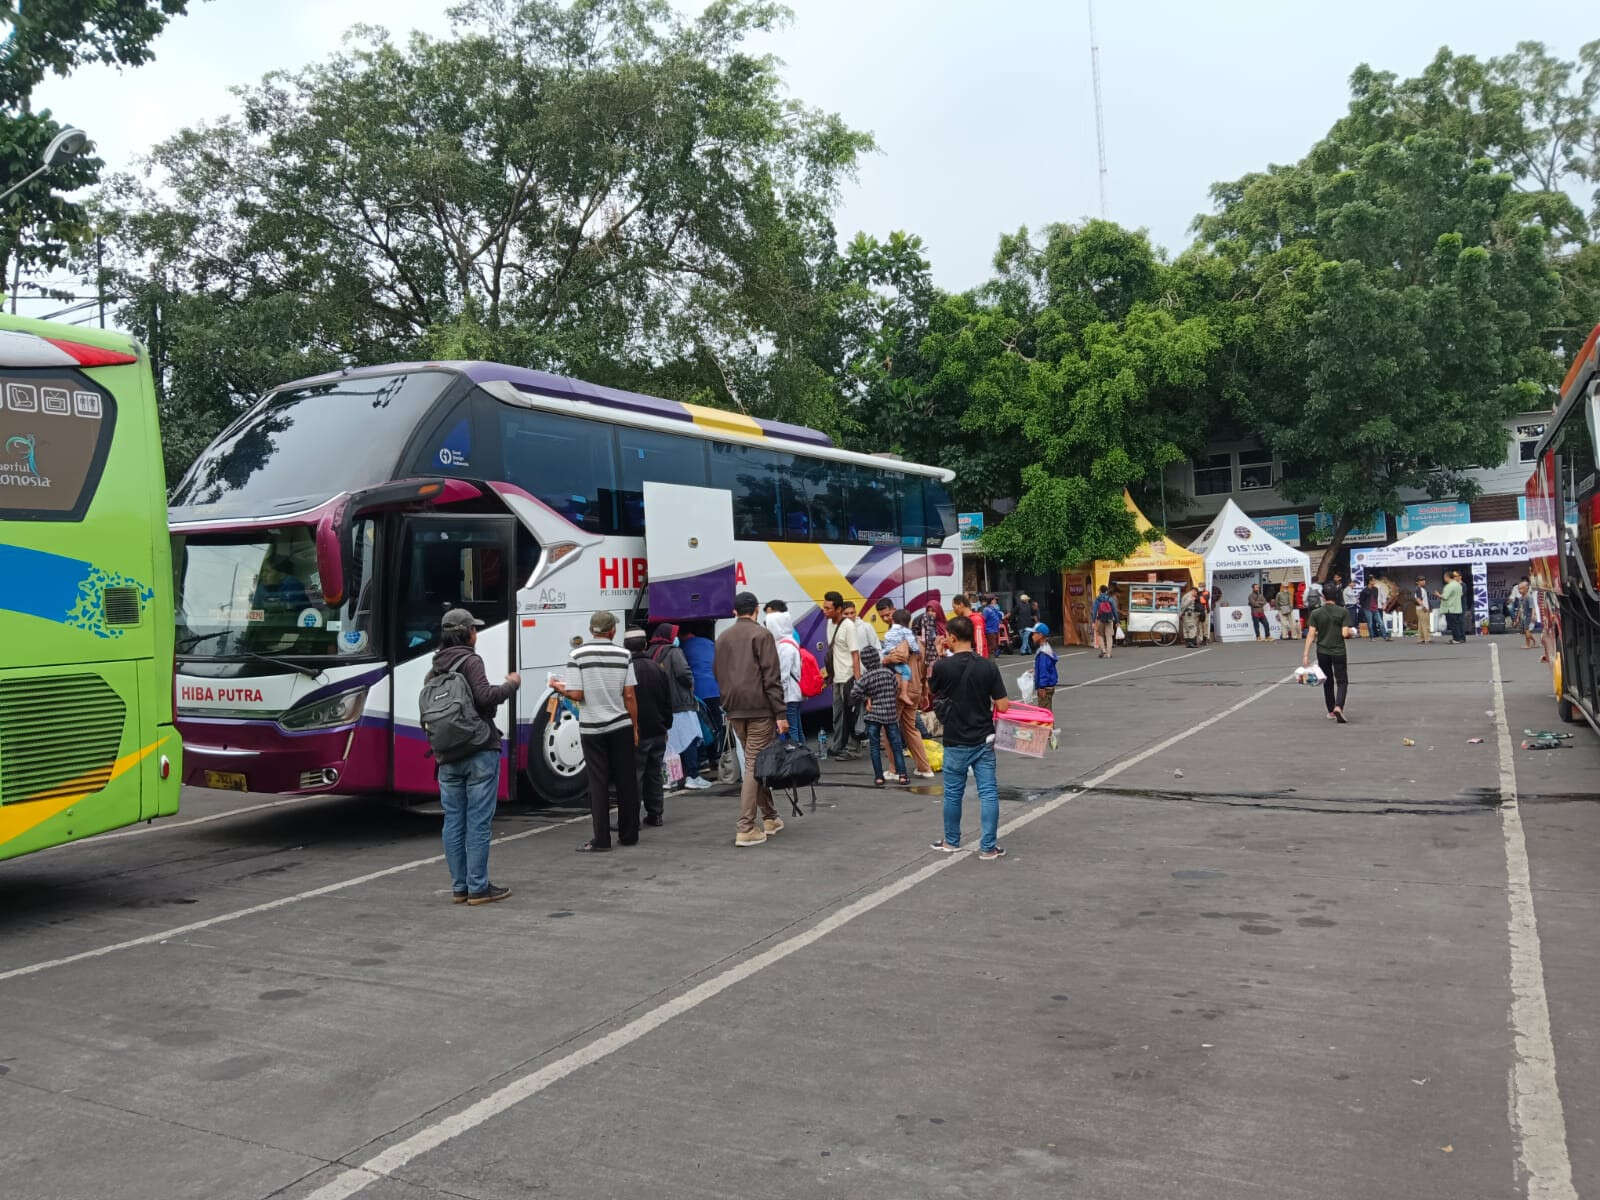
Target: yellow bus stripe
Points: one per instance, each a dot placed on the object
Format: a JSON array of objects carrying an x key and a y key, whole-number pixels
[
  {"x": 813, "y": 570},
  {"x": 728, "y": 422},
  {"x": 16, "y": 819}
]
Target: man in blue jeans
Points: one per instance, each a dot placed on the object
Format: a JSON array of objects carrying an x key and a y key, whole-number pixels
[
  {"x": 967, "y": 692},
  {"x": 470, "y": 785}
]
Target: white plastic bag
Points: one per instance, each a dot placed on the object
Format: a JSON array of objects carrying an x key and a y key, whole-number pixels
[
  {"x": 1308, "y": 675},
  {"x": 1121, "y": 634},
  {"x": 1025, "y": 685}
]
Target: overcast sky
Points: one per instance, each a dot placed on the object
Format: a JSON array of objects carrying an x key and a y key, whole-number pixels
[{"x": 983, "y": 111}]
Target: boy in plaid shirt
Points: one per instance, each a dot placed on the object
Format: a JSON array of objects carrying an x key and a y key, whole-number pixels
[{"x": 881, "y": 687}]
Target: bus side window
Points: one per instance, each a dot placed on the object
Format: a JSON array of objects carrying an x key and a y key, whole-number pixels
[
  {"x": 564, "y": 461},
  {"x": 914, "y": 532},
  {"x": 647, "y": 455},
  {"x": 870, "y": 503},
  {"x": 752, "y": 476}
]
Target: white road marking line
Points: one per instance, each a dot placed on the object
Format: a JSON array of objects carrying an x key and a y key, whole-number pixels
[
  {"x": 160, "y": 824},
  {"x": 238, "y": 913},
  {"x": 1540, "y": 1124},
  {"x": 384, "y": 1164},
  {"x": 1131, "y": 670}
]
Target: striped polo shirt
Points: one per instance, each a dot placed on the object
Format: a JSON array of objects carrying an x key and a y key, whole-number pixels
[{"x": 602, "y": 669}]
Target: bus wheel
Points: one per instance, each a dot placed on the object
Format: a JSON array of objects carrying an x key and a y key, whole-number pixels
[
  {"x": 555, "y": 758},
  {"x": 1567, "y": 712}
]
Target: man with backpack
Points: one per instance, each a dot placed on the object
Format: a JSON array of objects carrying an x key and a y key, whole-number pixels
[
  {"x": 457, "y": 706},
  {"x": 652, "y": 704},
  {"x": 752, "y": 697},
  {"x": 781, "y": 626},
  {"x": 967, "y": 692},
  {"x": 1105, "y": 620}
]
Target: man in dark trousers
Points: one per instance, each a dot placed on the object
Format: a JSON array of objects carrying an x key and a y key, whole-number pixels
[
  {"x": 652, "y": 702},
  {"x": 1329, "y": 628},
  {"x": 604, "y": 694},
  {"x": 751, "y": 683}
]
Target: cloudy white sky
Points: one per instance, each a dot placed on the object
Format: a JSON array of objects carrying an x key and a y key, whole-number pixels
[{"x": 982, "y": 109}]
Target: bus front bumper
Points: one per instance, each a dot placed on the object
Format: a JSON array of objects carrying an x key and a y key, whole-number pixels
[{"x": 261, "y": 756}]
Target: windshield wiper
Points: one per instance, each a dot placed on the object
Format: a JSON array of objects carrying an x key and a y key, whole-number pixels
[
  {"x": 308, "y": 672},
  {"x": 190, "y": 643}
]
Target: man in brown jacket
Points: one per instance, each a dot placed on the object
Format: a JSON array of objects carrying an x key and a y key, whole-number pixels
[{"x": 748, "y": 676}]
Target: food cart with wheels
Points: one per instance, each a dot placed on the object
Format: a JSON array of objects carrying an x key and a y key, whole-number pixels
[{"x": 1152, "y": 611}]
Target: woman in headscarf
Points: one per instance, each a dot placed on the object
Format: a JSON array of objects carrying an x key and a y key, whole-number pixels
[{"x": 683, "y": 736}]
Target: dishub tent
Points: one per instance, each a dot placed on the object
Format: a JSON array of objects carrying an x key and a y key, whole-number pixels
[
  {"x": 1475, "y": 544},
  {"x": 1236, "y": 551}
]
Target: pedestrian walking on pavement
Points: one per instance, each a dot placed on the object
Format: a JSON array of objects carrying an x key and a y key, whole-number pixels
[
  {"x": 1044, "y": 666},
  {"x": 604, "y": 694},
  {"x": 992, "y": 619},
  {"x": 902, "y": 649},
  {"x": 1372, "y": 611},
  {"x": 960, "y": 606},
  {"x": 843, "y": 668},
  {"x": 968, "y": 691},
  {"x": 652, "y": 698},
  {"x": 1329, "y": 628},
  {"x": 683, "y": 735},
  {"x": 752, "y": 697},
  {"x": 1022, "y": 620},
  {"x": 1528, "y": 613},
  {"x": 1259, "y": 625},
  {"x": 1105, "y": 620},
  {"x": 781, "y": 626},
  {"x": 469, "y": 785}
]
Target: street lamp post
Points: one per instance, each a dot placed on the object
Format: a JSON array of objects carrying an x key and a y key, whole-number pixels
[{"x": 68, "y": 142}]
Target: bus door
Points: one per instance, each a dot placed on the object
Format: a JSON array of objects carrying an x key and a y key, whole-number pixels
[
  {"x": 445, "y": 561},
  {"x": 688, "y": 538}
]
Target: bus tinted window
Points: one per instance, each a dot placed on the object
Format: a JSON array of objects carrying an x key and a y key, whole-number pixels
[
  {"x": 940, "y": 510},
  {"x": 870, "y": 503},
  {"x": 564, "y": 461},
  {"x": 752, "y": 476},
  {"x": 811, "y": 510},
  {"x": 646, "y": 455},
  {"x": 305, "y": 445},
  {"x": 913, "y": 513},
  {"x": 55, "y": 429}
]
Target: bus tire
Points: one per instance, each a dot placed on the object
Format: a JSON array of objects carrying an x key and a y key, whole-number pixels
[
  {"x": 1567, "y": 712},
  {"x": 555, "y": 758}
]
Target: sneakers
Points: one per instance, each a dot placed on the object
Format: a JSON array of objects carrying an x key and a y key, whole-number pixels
[
  {"x": 772, "y": 825},
  {"x": 755, "y": 837},
  {"x": 458, "y": 897},
  {"x": 944, "y": 847},
  {"x": 923, "y": 774},
  {"x": 488, "y": 895},
  {"x": 655, "y": 821},
  {"x": 991, "y": 855},
  {"x": 696, "y": 784}
]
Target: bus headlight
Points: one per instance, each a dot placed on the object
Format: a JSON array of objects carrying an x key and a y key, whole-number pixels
[{"x": 325, "y": 714}]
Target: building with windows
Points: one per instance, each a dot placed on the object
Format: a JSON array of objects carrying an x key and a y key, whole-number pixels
[{"x": 1237, "y": 467}]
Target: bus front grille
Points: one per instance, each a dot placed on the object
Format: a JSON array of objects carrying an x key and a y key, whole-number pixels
[
  {"x": 121, "y": 605},
  {"x": 58, "y": 736}
]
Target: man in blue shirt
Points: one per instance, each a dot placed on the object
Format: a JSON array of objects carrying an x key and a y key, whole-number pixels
[
  {"x": 700, "y": 651},
  {"x": 1044, "y": 665}
]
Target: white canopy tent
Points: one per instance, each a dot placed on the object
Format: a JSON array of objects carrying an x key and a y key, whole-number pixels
[
  {"x": 1475, "y": 544},
  {"x": 1236, "y": 551}
]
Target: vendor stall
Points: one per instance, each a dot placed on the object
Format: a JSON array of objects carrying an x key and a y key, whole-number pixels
[
  {"x": 1238, "y": 554},
  {"x": 1152, "y": 611},
  {"x": 1478, "y": 545},
  {"x": 1158, "y": 559}
]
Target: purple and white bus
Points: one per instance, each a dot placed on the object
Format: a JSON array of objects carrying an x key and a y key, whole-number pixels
[{"x": 318, "y": 540}]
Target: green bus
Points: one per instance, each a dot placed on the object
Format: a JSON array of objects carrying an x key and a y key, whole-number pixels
[{"x": 87, "y": 741}]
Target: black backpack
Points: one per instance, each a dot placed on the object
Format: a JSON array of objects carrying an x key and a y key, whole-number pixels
[
  {"x": 786, "y": 767},
  {"x": 449, "y": 716}
]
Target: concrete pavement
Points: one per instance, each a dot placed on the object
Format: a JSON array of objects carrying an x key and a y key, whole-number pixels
[{"x": 1284, "y": 972}]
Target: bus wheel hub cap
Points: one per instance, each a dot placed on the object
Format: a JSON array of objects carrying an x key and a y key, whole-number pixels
[{"x": 563, "y": 745}]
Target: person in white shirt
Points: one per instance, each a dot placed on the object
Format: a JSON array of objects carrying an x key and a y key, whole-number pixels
[
  {"x": 1424, "y": 612},
  {"x": 843, "y": 665}
]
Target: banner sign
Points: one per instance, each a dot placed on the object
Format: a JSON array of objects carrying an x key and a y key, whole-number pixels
[
  {"x": 1473, "y": 550},
  {"x": 1286, "y": 528},
  {"x": 1435, "y": 512},
  {"x": 1376, "y": 530},
  {"x": 970, "y": 526}
]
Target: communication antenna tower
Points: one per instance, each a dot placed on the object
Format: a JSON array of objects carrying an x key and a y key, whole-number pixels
[{"x": 1099, "y": 111}]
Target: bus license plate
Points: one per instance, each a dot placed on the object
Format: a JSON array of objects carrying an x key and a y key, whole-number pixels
[{"x": 231, "y": 781}]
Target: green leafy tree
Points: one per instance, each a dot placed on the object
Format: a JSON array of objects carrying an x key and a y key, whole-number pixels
[
  {"x": 1389, "y": 303},
  {"x": 603, "y": 187},
  {"x": 39, "y": 227},
  {"x": 1080, "y": 370}
]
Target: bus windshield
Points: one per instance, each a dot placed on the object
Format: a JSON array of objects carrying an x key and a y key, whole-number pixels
[
  {"x": 258, "y": 592},
  {"x": 303, "y": 445}
]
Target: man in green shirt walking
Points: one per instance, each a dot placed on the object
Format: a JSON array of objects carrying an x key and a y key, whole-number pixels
[
  {"x": 1329, "y": 626},
  {"x": 1450, "y": 606}
]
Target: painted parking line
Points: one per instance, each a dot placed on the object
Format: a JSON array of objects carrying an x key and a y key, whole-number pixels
[
  {"x": 1537, "y": 1117},
  {"x": 240, "y": 913},
  {"x": 384, "y": 1164},
  {"x": 1134, "y": 670},
  {"x": 161, "y": 826}
]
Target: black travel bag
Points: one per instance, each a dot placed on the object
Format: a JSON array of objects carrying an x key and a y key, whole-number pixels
[{"x": 786, "y": 767}]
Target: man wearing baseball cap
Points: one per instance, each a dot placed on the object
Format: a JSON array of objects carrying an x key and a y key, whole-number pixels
[
  {"x": 469, "y": 785},
  {"x": 1044, "y": 665}
]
